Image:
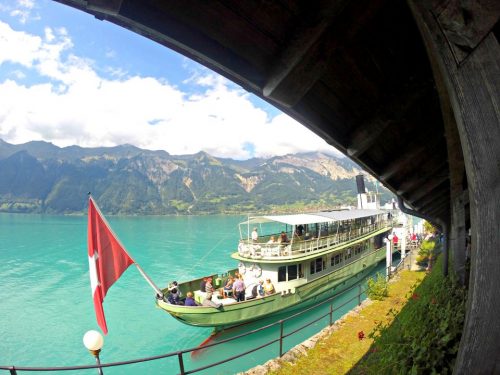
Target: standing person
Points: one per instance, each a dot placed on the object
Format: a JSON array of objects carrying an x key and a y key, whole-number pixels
[
  {"x": 395, "y": 240},
  {"x": 203, "y": 284},
  {"x": 209, "y": 288},
  {"x": 255, "y": 235},
  {"x": 239, "y": 289}
]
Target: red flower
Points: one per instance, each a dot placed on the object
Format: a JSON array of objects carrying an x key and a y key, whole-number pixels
[
  {"x": 374, "y": 349},
  {"x": 415, "y": 296},
  {"x": 361, "y": 335},
  {"x": 433, "y": 301}
]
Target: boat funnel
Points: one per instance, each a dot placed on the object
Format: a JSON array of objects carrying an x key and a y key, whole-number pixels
[{"x": 360, "y": 183}]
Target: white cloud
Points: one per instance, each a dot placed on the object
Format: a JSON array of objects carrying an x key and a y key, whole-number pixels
[
  {"x": 22, "y": 10},
  {"x": 77, "y": 106}
]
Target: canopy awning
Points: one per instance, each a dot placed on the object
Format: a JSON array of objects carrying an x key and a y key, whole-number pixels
[{"x": 313, "y": 218}]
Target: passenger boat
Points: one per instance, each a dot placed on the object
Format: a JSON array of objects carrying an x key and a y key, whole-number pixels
[{"x": 326, "y": 252}]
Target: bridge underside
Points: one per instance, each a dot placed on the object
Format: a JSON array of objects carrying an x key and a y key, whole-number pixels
[{"x": 410, "y": 91}]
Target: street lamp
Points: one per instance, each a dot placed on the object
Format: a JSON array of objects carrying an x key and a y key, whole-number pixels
[{"x": 94, "y": 341}]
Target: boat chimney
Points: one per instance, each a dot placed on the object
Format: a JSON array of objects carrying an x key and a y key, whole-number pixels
[{"x": 360, "y": 183}]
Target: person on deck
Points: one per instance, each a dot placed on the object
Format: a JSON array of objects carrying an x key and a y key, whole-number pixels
[
  {"x": 239, "y": 289},
  {"x": 283, "y": 238},
  {"x": 228, "y": 288},
  {"x": 208, "y": 287},
  {"x": 190, "y": 300},
  {"x": 269, "y": 288},
  {"x": 255, "y": 235},
  {"x": 203, "y": 284},
  {"x": 395, "y": 240},
  {"x": 299, "y": 230},
  {"x": 173, "y": 297}
]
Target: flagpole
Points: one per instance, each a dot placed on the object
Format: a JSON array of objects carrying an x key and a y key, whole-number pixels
[
  {"x": 141, "y": 271},
  {"x": 148, "y": 279}
]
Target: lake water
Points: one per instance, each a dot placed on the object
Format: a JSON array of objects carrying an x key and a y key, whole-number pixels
[{"x": 46, "y": 303}]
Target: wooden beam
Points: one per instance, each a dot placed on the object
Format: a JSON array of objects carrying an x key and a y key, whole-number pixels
[
  {"x": 393, "y": 112},
  {"x": 436, "y": 201},
  {"x": 442, "y": 210},
  {"x": 305, "y": 57},
  {"x": 434, "y": 176},
  {"x": 472, "y": 85},
  {"x": 417, "y": 151},
  {"x": 439, "y": 191},
  {"x": 366, "y": 135},
  {"x": 427, "y": 186}
]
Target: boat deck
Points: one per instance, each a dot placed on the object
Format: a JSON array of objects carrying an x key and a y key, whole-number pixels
[{"x": 301, "y": 247}]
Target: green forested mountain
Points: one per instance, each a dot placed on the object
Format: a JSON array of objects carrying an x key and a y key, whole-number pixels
[{"x": 40, "y": 177}]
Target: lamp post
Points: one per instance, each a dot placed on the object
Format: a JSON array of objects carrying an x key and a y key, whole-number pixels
[{"x": 94, "y": 341}]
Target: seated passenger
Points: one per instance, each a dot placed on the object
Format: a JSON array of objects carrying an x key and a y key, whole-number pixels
[
  {"x": 269, "y": 288},
  {"x": 257, "y": 290},
  {"x": 271, "y": 240},
  {"x": 228, "y": 287},
  {"x": 208, "y": 301},
  {"x": 283, "y": 238},
  {"x": 190, "y": 300},
  {"x": 173, "y": 297}
]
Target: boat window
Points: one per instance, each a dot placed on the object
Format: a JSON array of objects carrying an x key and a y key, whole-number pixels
[
  {"x": 357, "y": 250},
  {"x": 348, "y": 254},
  {"x": 301, "y": 271},
  {"x": 335, "y": 260},
  {"x": 282, "y": 273},
  {"x": 292, "y": 272},
  {"x": 319, "y": 264}
]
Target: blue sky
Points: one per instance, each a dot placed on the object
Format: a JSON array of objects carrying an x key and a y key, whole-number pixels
[{"x": 68, "y": 78}]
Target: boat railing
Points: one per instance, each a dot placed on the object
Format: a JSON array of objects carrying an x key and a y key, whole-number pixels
[
  {"x": 262, "y": 249},
  {"x": 333, "y": 308}
]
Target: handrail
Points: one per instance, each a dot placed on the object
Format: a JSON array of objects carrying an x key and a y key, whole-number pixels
[
  {"x": 13, "y": 369},
  {"x": 263, "y": 250}
]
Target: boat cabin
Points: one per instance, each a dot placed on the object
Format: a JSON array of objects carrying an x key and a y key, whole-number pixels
[{"x": 292, "y": 250}]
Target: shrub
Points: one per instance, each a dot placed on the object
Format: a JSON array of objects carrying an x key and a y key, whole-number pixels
[
  {"x": 427, "y": 251},
  {"x": 377, "y": 288}
]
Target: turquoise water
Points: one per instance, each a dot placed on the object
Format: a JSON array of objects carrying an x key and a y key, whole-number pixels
[{"x": 46, "y": 304}]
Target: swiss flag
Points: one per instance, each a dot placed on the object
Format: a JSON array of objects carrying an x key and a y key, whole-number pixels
[{"x": 108, "y": 259}]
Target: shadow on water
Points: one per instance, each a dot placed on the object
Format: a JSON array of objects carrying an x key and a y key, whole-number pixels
[{"x": 206, "y": 356}]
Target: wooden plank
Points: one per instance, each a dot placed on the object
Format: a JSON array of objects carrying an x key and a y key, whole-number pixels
[{"x": 472, "y": 88}]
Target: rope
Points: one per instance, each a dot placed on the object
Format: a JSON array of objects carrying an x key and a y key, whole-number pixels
[{"x": 203, "y": 257}]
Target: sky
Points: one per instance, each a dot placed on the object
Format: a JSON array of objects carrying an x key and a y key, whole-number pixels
[{"x": 70, "y": 79}]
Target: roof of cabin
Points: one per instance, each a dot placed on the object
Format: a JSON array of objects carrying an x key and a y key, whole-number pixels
[{"x": 313, "y": 217}]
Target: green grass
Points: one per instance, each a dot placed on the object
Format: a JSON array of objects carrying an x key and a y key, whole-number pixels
[{"x": 415, "y": 330}]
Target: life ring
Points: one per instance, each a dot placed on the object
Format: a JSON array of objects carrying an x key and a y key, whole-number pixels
[
  {"x": 257, "y": 271},
  {"x": 241, "y": 268}
]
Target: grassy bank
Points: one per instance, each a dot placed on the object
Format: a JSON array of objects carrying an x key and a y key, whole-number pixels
[{"x": 415, "y": 330}]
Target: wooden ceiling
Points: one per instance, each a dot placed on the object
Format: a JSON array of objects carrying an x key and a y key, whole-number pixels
[{"x": 355, "y": 72}]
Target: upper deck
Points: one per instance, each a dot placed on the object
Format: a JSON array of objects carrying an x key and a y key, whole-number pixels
[{"x": 321, "y": 233}]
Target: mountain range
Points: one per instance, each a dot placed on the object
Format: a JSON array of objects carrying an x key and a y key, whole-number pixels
[{"x": 39, "y": 177}]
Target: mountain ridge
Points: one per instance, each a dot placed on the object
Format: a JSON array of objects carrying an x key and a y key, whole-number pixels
[{"x": 39, "y": 177}]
